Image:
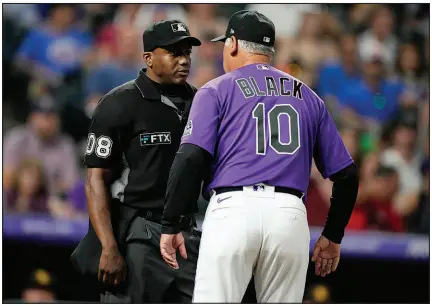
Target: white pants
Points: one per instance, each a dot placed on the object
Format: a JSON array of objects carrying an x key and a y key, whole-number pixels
[{"x": 259, "y": 232}]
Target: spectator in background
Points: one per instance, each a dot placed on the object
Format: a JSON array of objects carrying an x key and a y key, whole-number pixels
[
  {"x": 205, "y": 72},
  {"x": 415, "y": 25},
  {"x": 359, "y": 15},
  {"x": 206, "y": 60},
  {"x": 26, "y": 15},
  {"x": 380, "y": 39},
  {"x": 318, "y": 198},
  {"x": 370, "y": 163},
  {"x": 96, "y": 15},
  {"x": 403, "y": 157},
  {"x": 287, "y": 18},
  {"x": 149, "y": 13},
  {"x": 419, "y": 220},
  {"x": 320, "y": 190},
  {"x": 40, "y": 288},
  {"x": 132, "y": 18},
  {"x": 203, "y": 20},
  {"x": 350, "y": 138},
  {"x": 307, "y": 50},
  {"x": 107, "y": 44},
  {"x": 51, "y": 48},
  {"x": 373, "y": 100},
  {"x": 56, "y": 49},
  {"x": 41, "y": 139},
  {"x": 28, "y": 191},
  {"x": 335, "y": 76},
  {"x": 71, "y": 205},
  {"x": 121, "y": 69},
  {"x": 375, "y": 209},
  {"x": 410, "y": 70}
]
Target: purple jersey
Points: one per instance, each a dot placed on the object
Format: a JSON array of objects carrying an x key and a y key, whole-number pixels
[{"x": 264, "y": 126}]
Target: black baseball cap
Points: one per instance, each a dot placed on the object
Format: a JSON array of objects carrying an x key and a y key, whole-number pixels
[
  {"x": 250, "y": 26},
  {"x": 167, "y": 32}
]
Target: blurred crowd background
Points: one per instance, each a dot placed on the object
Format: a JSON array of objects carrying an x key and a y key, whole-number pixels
[{"x": 368, "y": 62}]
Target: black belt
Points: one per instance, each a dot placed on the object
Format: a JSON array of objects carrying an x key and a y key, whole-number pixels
[
  {"x": 288, "y": 190},
  {"x": 156, "y": 216}
]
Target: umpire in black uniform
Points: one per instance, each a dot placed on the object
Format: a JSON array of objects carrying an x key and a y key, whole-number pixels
[{"x": 134, "y": 136}]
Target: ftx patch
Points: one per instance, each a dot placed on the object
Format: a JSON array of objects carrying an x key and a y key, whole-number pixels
[{"x": 158, "y": 138}]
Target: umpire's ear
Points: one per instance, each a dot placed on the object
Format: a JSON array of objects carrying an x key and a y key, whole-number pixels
[
  {"x": 233, "y": 47},
  {"x": 148, "y": 59}
]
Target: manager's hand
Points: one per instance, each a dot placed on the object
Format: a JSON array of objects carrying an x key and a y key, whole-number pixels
[
  {"x": 112, "y": 267},
  {"x": 169, "y": 244},
  {"x": 326, "y": 256}
]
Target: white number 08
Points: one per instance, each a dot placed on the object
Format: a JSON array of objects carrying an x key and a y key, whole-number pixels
[{"x": 103, "y": 145}]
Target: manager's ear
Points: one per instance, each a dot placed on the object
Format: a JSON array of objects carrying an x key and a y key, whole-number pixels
[
  {"x": 234, "y": 46},
  {"x": 148, "y": 59}
]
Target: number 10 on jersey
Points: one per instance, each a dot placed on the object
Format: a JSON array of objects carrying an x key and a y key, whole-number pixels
[{"x": 275, "y": 129}]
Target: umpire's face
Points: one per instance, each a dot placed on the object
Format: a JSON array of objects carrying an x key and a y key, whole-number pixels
[{"x": 171, "y": 64}]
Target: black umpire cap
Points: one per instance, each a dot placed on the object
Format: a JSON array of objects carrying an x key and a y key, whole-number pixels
[
  {"x": 250, "y": 26},
  {"x": 167, "y": 32}
]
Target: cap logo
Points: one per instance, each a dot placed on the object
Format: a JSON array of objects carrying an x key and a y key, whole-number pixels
[
  {"x": 177, "y": 27},
  {"x": 266, "y": 39},
  {"x": 231, "y": 31}
]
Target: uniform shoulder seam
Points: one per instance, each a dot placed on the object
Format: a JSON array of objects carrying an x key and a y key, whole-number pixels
[
  {"x": 117, "y": 102},
  {"x": 213, "y": 90},
  {"x": 119, "y": 90}
]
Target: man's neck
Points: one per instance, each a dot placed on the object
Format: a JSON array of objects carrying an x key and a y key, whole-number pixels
[
  {"x": 254, "y": 59},
  {"x": 372, "y": 83}
]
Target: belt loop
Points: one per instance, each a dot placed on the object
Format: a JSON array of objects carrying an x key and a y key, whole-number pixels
[{"x": 302, "y": 198}]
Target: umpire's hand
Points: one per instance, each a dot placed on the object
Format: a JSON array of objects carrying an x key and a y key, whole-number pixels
[
  {"x": 112, "y": 267},
  {"x": 168, "y": 247},
  {"x": 326, "y": 256}
]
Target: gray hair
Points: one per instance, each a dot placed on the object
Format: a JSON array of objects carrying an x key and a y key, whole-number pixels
[{"x": 252, "y": 47}]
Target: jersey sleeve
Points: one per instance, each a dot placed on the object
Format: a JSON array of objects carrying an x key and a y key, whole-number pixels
[
  {"x": 103, "y": 148},
  {"x": 202, "y": 127},
  {"x": 330, "y": 153}
]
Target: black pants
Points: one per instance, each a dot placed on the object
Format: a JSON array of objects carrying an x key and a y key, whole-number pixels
[{"x": 149, "y": 278}]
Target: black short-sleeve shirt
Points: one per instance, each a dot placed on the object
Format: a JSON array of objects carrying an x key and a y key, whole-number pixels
[{"x": 136, "y": 132}]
